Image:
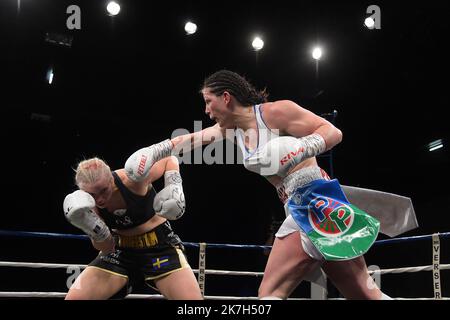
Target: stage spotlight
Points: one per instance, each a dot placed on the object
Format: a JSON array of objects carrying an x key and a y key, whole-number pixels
[
  {"x": 317, "y": 53},
  {"x": 113, "y": 8},
  {"x": 257, "y": 43},
  {"x": 369, "y": 23},
  {"x": 190, "y": 28}
]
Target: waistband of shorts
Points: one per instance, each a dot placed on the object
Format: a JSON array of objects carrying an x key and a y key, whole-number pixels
[
  {"x": 298, "y": 179},
  {"x": 152, "y": 238}
]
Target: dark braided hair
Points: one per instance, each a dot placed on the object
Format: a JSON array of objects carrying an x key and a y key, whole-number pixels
[{"x": 236, "y": 85}]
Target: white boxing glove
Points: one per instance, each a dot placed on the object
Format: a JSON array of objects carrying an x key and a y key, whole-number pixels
[
  {"x": 78, "y": 207},
  {"x": 169, "y": 202},
  {"x": 284, "y": 153},
  {"x": 138, "y": 165}
]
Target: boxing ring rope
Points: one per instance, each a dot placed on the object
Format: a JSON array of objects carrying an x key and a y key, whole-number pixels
[
  {"x": 202, "y": 271},
  {"x": 29, "y": 234},
  {"x": 82, "y": 266}
]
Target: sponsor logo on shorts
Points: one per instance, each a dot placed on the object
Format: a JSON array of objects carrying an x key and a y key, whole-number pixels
[{"x": 329, "y": 217}]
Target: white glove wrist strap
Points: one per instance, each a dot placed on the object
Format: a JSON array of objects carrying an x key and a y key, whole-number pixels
[
  {"x": 172, "y": 177},
  {"x": 162, "y": 150},
  {"x": 314, "y": 145}
]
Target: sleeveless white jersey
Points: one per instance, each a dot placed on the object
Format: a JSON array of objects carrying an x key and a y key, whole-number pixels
[{"x": 258, "y": 160}]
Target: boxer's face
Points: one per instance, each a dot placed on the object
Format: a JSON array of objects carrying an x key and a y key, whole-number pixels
[
  {"x": 217, "y": 107},
  {"x": 101, "y": 190}
]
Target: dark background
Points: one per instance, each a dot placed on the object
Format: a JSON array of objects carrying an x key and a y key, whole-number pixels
[{"x": 129, "y": 81}]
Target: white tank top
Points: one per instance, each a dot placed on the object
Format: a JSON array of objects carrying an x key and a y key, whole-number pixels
[{"x": 256, "y": 160}]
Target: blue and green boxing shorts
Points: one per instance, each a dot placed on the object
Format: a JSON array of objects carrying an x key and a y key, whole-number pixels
[{"x": 338, "y": 229}]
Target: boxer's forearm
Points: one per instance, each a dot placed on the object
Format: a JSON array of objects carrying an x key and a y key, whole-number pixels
[{"x": 191, "y": 141}]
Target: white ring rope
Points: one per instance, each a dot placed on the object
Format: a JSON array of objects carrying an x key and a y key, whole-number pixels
[
  {"x": 410, "y": 269},
  {"x": 202, "y": 272},
  {"x": 40, "y": 265},
  {"x": 211, "y": 271},
  {"x": 82, "y": 266},
  {"x": 158, "y": 296},
  {"x": 12, "y": 294}
]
